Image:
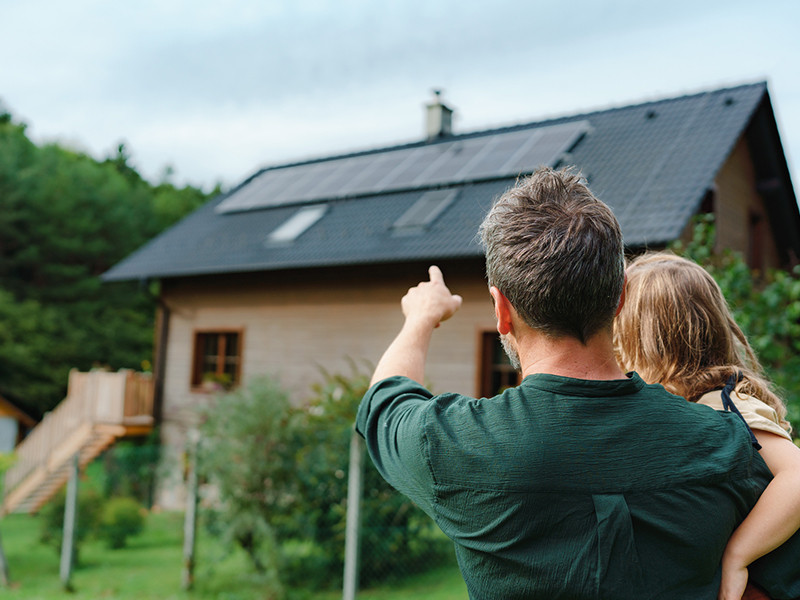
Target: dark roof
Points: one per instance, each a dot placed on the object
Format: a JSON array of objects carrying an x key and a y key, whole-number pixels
[
  {"x": 652, "y": 163},
  {"x": 15, "y": 411}
]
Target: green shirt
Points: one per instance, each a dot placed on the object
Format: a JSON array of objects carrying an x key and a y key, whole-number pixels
[{"x": 566, "y": 488}]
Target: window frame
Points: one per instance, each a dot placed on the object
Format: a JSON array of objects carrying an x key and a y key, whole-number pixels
[
  {"x": 489, "y": 342},
  {"x": 197, "y": 382},
  {"x": 756, "y": 240}
]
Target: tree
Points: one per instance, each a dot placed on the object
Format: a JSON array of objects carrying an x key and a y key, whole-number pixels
[
  {"x": 65, "y": 219},
  {"x": 28, "y": 333}
]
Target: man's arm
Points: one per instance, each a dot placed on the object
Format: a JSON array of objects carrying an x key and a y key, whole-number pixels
[{"x": 424, "y": 306}]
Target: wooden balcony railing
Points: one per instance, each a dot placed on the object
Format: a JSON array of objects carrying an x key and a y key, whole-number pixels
[{"x": 122, "y": 400}]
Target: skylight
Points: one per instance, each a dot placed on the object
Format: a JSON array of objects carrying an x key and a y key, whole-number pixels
[
  {"x": 297, "y": 224},
  {"x": 424, "y": 211}
]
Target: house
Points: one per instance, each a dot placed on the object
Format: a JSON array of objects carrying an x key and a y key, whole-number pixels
[
  {"x": 301, "y": 267},
  {"x": 14, "y": 425}
]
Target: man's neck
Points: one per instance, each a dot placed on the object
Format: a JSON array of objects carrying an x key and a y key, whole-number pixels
[{"x": 566, "y": 356}]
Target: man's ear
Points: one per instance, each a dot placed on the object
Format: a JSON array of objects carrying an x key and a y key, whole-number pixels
[
  {"x": 622, "y": 296},
  {"x": 503, "y": 311}
]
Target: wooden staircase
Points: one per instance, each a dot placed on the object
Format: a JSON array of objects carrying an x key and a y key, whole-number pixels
[{"x": 100, "y": 408}]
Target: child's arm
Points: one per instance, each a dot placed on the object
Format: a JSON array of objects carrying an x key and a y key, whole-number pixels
[{"x": 772, "y": 521}]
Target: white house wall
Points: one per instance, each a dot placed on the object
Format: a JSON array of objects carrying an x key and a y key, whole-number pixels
[{"x": 292, "y": 329}]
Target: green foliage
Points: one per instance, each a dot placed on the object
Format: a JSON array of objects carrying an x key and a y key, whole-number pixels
[
  {"x": 122, "y": 518},
  {"x": 397, "y": 538},
  {"x": 130, "y": 468},
  {"x": 247, "y": 436},
  {"x": 65, "y": 219},
  {"x": 7, "y": 460},
  {"x": 765, "y": 305},
  {"x": 287, "y": 469},
  {"x": 89, "y": 511},
  {"x": 27, "y": 333}
]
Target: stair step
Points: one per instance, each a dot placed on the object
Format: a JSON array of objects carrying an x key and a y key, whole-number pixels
[{"x": 98, "y": 440}]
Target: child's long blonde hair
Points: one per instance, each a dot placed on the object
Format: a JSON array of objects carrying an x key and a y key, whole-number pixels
[{"x": 675, "y": 328}]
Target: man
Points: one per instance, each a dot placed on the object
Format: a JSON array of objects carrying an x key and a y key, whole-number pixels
[{"x": 582, "y": 482}]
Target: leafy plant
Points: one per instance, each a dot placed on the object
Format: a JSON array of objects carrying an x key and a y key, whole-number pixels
[
  {"x": 245, "y": 453},
  {"x": 65, "y": 219},
  {"x": 765, "y": 305},
  {"x": 122, "y": 518},
  {"x": 130, "y": 468},
  {"x": 89, "y": 511},
  {"x": 281, "y": 473}
]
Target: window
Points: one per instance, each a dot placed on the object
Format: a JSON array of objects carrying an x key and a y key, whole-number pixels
[
  {"x": 297, "y": 224},
  {"x": 756, "y": 238},
  {"x": 217, "y": 359},
  {"x": 497, "y": 373},
  {"x": 424, "y": 211}
]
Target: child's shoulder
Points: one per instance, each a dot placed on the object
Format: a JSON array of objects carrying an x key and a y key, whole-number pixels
[{"x": 758, "y": 415}]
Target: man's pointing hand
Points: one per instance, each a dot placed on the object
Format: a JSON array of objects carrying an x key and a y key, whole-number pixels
[{"x": 430, "y": 301}]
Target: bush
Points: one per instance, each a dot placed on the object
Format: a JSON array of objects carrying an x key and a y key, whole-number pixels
[
  {"x": 392, "y": 526},
  {"x": 122, "y": 518},
  {"x": 282, "y": 471},
  {"x": 89, "y": 511},
  {"x": 245, "y": 452},
  {"x": 130, "y": 468},
  {"x": 765, "y": 305}
]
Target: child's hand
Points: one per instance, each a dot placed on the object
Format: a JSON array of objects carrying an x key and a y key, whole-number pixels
[{"x": 734, "y": 582}]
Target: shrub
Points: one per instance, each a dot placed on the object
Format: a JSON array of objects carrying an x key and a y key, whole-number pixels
[
  {"x": 765, "y": 305},
  {"x": 130, "y": 467},
  {"x": 282, "y": 472},
  {"x": 122, "y": 518},
  {"x": 89, "y": 511},
  {"x": 245, "y": 452}
]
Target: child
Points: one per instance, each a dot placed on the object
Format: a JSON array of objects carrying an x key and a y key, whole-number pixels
[{"x": 675, "y": 329}]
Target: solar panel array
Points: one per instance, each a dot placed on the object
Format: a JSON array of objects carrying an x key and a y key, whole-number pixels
[{"x": 453, "y": 162}]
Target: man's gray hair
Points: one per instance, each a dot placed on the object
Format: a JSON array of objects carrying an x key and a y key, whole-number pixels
[{"x": 556, "y": 252}]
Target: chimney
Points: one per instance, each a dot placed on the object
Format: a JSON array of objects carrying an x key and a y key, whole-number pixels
[{"x": 439, "y": 118}]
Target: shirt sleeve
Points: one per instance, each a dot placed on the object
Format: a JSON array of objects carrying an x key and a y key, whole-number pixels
[
  {"x": 392, "y": 418},
  {"x": 757, "y": 414}
]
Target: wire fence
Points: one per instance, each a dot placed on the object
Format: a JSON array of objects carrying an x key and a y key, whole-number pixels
[{"x": 396, "y": 539}]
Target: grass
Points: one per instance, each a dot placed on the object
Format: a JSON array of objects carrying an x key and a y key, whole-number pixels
[
  {"x": 444, "y": 583},
  {"x": 150, "y": 569}
]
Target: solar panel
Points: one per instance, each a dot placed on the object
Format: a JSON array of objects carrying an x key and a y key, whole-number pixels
[
  {"x": 486, "y": 163},
  {"x": 458, "y": 156},
  {"x": 447, "y": 163},
  {"x": 409, "y": 170},
  {"x": 372, "y": 172},
  {"x": 547, "y": 148}
]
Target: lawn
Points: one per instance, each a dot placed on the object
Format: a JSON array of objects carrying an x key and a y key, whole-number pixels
[{"x": 150, "y": 569}]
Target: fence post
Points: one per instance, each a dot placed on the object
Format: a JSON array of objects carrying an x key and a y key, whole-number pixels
[
  {"x": 190, "y": 519},
  {"x": 5, "y": 580},
  {"x": 70, "y": 513},
  {"x": 355, "y": 485}
]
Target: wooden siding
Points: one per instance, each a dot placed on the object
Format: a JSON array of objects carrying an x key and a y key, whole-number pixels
[
  {"x": 736, "y": 200},
  {"x": 291, "y": 331},
  {"x": 294, "y": 328}
]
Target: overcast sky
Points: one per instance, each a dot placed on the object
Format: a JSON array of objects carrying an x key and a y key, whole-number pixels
[{"x": 216, "y": 90}]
